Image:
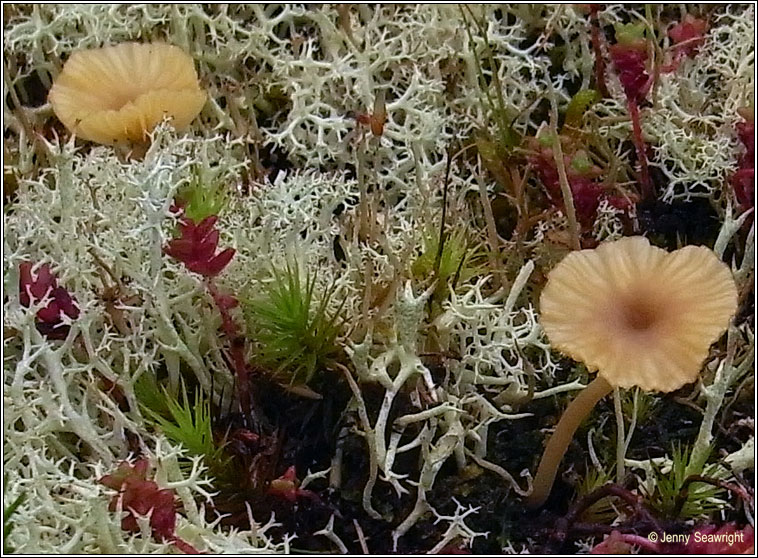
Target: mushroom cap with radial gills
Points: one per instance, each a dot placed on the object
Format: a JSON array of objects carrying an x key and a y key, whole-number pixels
[
  {"x": 120, "y": 93},
  {"x": 639, "y": 315}
]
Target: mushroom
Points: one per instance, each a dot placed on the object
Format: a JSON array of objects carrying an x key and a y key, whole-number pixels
[
  {"x": 120, "y": 93},
  {"x": 636, "y": 314}
]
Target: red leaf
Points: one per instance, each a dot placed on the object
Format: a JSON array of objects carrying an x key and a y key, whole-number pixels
[
  {"x": 64, "y": 301},
  {"x": 34, "y": 289},
  {"x": 629, "y": 61},
  {"x": 206, "y": 246},
  {"x": 180, "y": 249},
  {"x": 196, "y": 247},
  {"x": 142, "y": 497},
  {"x": 205, "y": 226},
  {"x": 286, "y": 487},
  {"x": 743, "y": 181},
  {"x": 24, "y": 281},
  {"x": 688, "y": 35},
  {"x": 44, "y": 282},
  {"x": 746, "y": 133},
  {"x": 219, "y": 262},
  {"x": 125, "y": 470}
]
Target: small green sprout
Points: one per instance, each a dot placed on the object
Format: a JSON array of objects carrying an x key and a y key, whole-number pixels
[
  {"x": 7, "y": 524},
  {"x": 456, "y": 262},
  {"x": 149, "y": 395},
  {"x": 201, "y": 200},
  {"x": 546, "y": 139},
  {"x": 182, "y": 423},
  {"x": 581, "y": 162},
  {"x": 630, "y": 33},
  {"x": 698, "y": 500},
  {"x": 579, "y": 104},
  {"x": 646, "y": 406},
  {"x": 603, "y": 510},
  {"x": 294, "y": 328}
]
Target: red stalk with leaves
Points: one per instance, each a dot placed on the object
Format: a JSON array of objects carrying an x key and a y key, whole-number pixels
[
  {"x": 743, "y": 181},
  {"x": 196, "y": 249},
  {"x": 630, "y": 58},
  {"x": 582, "y": 175},
  {"x": 597, "y": 42}
]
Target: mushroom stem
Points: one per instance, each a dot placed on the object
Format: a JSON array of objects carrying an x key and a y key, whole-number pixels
[{"x": 556, "y": 447}]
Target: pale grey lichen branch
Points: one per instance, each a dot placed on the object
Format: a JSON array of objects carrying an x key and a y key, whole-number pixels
[
  {"x": 728, "y": 373},
  {"x": 457, "y": 528}
]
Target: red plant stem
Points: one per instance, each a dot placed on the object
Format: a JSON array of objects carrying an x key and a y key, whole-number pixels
[
  {"x": 243, "y": 380},
  {"x": 569, "y": 521},
  {"x": 597, "y": 47},
  {"x": 639, "y": 144},
  {"x": 731, "y": 487},
  {"x": 642, "y": 542},
  {"x": 184, "y": 546},
  {"x": 237, "y": 350}
]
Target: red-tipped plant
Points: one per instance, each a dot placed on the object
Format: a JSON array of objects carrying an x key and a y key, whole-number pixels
[
  {"x": 687, "y": 36},
  {"x": 743, "y": 181},
  {"x": 142, "y": 497},
  {"x": 287, "y": 488},
  {"x": 582, "y": 176},
  {"x": 196, "y": 249},
  {"x": 34, "y": 289},
  {"x": 630, "y": 58}
]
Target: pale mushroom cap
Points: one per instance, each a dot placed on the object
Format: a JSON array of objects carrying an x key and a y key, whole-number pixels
[
  {"x": 119, "y": 93},
  {"x": 637, "y": 314}
]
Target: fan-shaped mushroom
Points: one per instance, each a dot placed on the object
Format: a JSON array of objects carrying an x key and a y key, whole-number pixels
[
  {"x": 639, "y": 316},
  {"x": 119, "y": 93}
]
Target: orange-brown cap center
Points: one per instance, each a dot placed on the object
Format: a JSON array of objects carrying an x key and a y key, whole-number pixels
[{"x": 638, "y": 314}]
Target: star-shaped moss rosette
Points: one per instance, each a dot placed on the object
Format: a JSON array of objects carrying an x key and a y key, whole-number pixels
[
  {"x": 120, "y": 93},
  {"x": 636, "y": 314}
]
